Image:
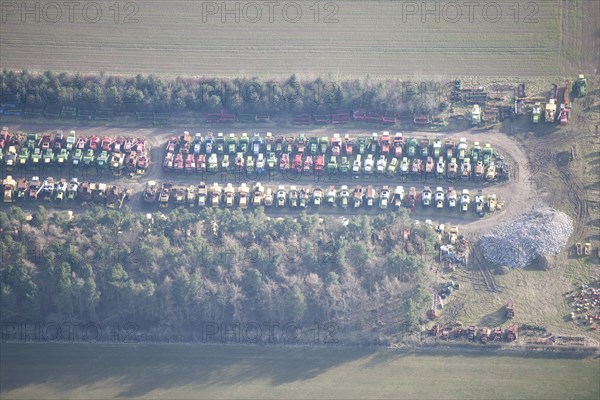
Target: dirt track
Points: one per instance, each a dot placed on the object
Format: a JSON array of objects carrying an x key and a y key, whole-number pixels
[{"x": 518, "y": 193}]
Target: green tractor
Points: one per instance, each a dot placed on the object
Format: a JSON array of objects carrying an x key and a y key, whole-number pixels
[
  {"x": 579, "y": 86},
  {"x": 23, "y": 155},
  {"x": 62, "y": 156},
  {"x": 332, "y": 165},
  {"x": 344, "y": 165}
]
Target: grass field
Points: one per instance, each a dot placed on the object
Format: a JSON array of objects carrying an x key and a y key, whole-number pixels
[
  {"x": 195, "y": 371},
  {"x": 345, "y": 38}
]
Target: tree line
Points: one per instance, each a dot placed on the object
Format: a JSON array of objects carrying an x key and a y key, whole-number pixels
[
  {"x": 172, "y": 275},
  {"x": 151, "y": 93}
]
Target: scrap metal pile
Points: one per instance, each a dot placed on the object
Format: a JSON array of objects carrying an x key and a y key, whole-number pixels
[{"x": 531, "y": 235}]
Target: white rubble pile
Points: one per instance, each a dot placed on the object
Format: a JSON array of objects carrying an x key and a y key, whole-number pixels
[{"x": 529, "y": 236}]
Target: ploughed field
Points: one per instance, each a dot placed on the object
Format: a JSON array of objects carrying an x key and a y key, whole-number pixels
[
  {"x": 349, "y": 38},
  {"x": 193, "y": 371}
]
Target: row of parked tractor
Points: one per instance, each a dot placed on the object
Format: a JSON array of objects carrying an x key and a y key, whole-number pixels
[
  {"x": 61, "y": 149},
  {"x": 61, "y": 190},
  {"x": 243, "y": 196},
  {"x": 377, "y": 155}
]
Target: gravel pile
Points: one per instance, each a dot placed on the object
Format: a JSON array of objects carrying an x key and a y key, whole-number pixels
[{"x": 529, "y": 236}]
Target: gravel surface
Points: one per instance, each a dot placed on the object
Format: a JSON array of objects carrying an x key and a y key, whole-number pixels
[{"x": 535, "y": 233}]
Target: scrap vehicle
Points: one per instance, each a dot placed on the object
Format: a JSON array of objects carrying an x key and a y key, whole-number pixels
[
  {"x": 370, "y": 196},
  {"x": 465, "y": 200},
  {"x": 344, "y": 196},
  {"x": 202, "y": 194},
  {"x": 398, "y": 198},
  {"x": 384, "y": 197},
  {"x": 358, "y": 196},
  {"x": 331, "y": 195},
  {"x": 150, "y": 192},
  {"x": 165, "y": 194}
]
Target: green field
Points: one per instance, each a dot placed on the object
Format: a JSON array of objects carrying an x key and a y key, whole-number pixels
[
  {"x": 344, "y": 38},
  {"x": 201, "y": 371}
]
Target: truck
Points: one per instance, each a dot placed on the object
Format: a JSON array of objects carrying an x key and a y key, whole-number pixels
[
  {"x": 150, "y": 192},
  {"x": 336, "y": 145},
  {"x": 536, "y": 112},
  {"x": 61, "y": 190},
  {"x": 462, "y": 148},
  {"x": 385, "y": 143},
  {"x": 244, "y": 143},
  {"x": 344, "y": 165},
  {"x": 280, "y": 196},
  {"x": 476, "y": 115},
  {"x": 373, "y": 143},
  {"x": 229, "y": 195},
  {"x": 202, "y": 194},
  {"x": 368, "y": 166},
  {"x": 465, "y": 200},
  {"x": 35, "y": 188},
  {"x": 9, "y": 186},
  {"x": 479, "y": 202},
  {"x": 437, "y": 148},
  {"x": 452, "y": 170},
  {"x": 62, "y": 157},
  {"x": 416, "y": 166},
  {"x": 357, "y": 196},
  {"x": 439, "y": 197},
  {"x": 332, "y": 165},
  {"x": 424, "y": 147},
  {"x": 451, "y": 196},
  {"x": 398, "y": 144},
  {"x": 404, "y": 166},
  {"x": 73, "y": 189},
  {"x": 331, "y": 195},
  {"x": 231, "y": 144},
  {"x": 190, "y": 196},
  {"x": 344, "y": 196},
  {"x": 361, "y": 145},
  {"x": 426, "y": 196},
  {"x": 492, "y": 202},
  {"x": 213, "y": 164},
  {"x": 392, "y": 167},
  {"x": 550, "y": 111},
  {"x": 370, "y": 196},
  {"x": 317, "y": 196},
  {"x": 215, "y": 195},
  {"x": 293, "y": 196},
  {"x": 258, "y": 195},
  {"x": 440, "y": 167},
  {"x": 465, "y": 168},
  {"x": 384, "y": 197},
  {"x": 565, "y": 107},
  {"x": 487, "y": 154},
  {"x": 348, "y": 145},
  {"x": 381, "y": 164},
  {"x": 411, "y": 147},
  {"x": 22, "y": 186},
  {"x": 304, "y": 197},
  {"x": 23, "y": 155},
  {"x": 11, "y": 157},
  {"x": 398, "y": 196},
  {"x": 490, "y": 172},
  {"x": 356, "y": 166},
  {"x": 165, "y": 194},
  {"x": 268, "y": 200}
]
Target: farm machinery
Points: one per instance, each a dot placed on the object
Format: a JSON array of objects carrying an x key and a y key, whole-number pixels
[
  {"x": 579, "y": 86},
  {"x": 565, "y": 107}
]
